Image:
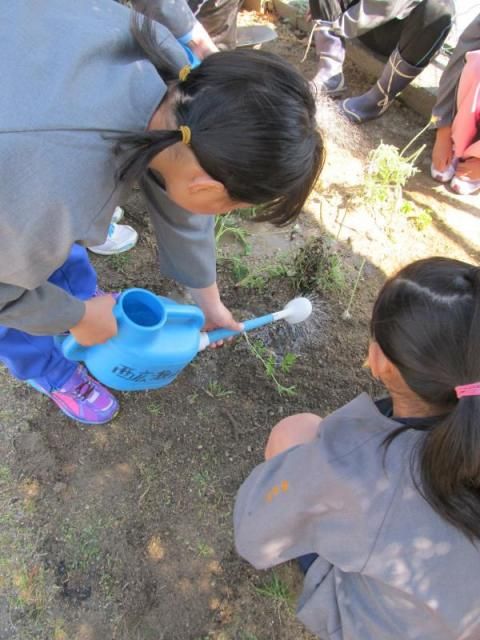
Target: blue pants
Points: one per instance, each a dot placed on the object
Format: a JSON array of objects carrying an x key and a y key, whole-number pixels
[
  {"x": 38, "y": 357},
  {"x": 306, "y": 562}
]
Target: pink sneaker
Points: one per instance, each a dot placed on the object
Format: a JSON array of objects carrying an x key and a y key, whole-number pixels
[{"x": 82, "y": 398}]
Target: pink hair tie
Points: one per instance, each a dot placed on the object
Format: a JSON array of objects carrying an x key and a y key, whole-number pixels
[{"x": 464, "y": 390}]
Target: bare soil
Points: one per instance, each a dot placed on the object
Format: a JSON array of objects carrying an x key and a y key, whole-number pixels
[{"x": 124, "y": 532}]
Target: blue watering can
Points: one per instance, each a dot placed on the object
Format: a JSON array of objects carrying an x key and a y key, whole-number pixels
[{"x": 157, "y": 338}]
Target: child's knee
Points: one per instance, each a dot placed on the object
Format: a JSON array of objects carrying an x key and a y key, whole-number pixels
[
  {"x": 473, "y": 63},
  {"x": 291, "y": 431}
]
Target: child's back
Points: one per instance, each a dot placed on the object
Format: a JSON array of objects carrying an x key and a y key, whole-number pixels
[
  {"x": 390, "y": 505},
  {"x": 389, "y": 567}
]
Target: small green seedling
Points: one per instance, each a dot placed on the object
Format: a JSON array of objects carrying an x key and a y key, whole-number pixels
[
  {"x": 269, "y": 362},
  {"x": 215, "y": 390},
  {"x": 346, "y": 315},
  {"x": 420, "y": 218},
  {"x": 205, "y": 550}
]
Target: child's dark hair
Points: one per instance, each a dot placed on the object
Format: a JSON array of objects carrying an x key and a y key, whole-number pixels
[
  {"x": 426, "y": 320},
  {"x": 252, "y": 118}
]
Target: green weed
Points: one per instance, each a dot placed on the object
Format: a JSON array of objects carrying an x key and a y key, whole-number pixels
[
  {"x": 277, "y": 590},
  {"x": 269, "y": 361},
  {"x": 155, "y": 408},
  {"x": 215, "y": 390},
  {"x": 228, "y": 225},
  {"x": 27, "y": 588},
  {"x": 82, "y": 544},
  {"x": 260, "y": 275},
  {"x": 317, "y": 267},
  {"x": 119, "y": 261},
  {"x": 388, "y": 170},
  {"x": 420, "y": 218},
  {"x": 205, "y": 550},
  {"x": 203, "y": 480}
]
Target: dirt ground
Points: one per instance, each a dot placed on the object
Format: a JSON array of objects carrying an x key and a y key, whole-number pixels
[{"x": 124, "y": 532}]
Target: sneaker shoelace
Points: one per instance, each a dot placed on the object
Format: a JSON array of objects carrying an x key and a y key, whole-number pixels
[{"x": 84, "y": 389}]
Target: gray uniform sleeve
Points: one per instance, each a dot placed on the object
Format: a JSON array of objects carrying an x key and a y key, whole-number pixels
[
  {"x": 46, "y": 310},
  {"x": 368, "y": 14},
  {"x": 186, "y": 241},
  {"x": 174, "y": 14},
  {"x": 325, "y": 497},
  {"x": 445, "y": 107}
]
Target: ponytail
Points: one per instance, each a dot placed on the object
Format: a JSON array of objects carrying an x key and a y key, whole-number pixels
[
  {"x": 450, "y": 453},
  {"x": 449, "y": 459},
  {"x": 426, "y": 320}
]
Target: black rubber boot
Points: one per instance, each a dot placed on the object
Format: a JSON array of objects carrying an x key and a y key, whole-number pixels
[
  {"x": 330, "y": 50},
  {"x": 396, "y": 75}
]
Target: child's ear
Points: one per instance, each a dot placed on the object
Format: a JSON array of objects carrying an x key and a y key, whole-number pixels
[
  {"x": 204, "y": 183},
  {"x": 378, "y": 362}
]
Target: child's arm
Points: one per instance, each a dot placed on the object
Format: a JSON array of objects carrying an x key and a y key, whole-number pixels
[
  {"x": 187, "y": 251},
  {"x": 41, "y": 310},
  {"x": 49, "y": 310},
  {"x": 216, "y": 313},
  {"x": 177, "y": 16}
]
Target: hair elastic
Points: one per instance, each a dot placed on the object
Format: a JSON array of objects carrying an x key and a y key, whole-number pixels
[
  {"x": 464, "y": 390},
  {"x": 186, "y": 133},
  {"x": 184, "y": 72}
]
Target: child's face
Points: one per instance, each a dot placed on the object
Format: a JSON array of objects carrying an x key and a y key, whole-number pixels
[{"x": 187, "y": 184}]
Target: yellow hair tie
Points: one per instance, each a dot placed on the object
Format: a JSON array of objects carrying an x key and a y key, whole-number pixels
[
  {"x": 184, "y": 72},
  {"x": 186, "y": 133}
]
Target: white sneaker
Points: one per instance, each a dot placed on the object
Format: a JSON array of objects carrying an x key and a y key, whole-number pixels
[
  {"x": 446, "y": 175},
  {"x": 117, "y": 214},
  {"x": 121, "y": 237}
]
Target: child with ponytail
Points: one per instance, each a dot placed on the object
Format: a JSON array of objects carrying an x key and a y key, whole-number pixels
[
  {"x": 380, "y": 501},
  {"x": 92, "y": 101}
]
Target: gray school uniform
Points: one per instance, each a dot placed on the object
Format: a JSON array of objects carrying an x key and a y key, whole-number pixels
[
  {"x": 71, "y": 72},
  {"x": 389, "y": 568},
  {"x": 368, "y": 14},
  {"x": 445, "y": 107}
]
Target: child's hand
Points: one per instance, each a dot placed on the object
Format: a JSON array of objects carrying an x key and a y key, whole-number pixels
[
  {"x": 98, "y": 323},
  {"x": 201, "y": 44},
  {"x": 219, "y": 316},
  {"x": 216, "y": 313}
]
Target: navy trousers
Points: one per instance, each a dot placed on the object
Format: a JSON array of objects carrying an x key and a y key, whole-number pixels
[{"x": 39, "y": 357}]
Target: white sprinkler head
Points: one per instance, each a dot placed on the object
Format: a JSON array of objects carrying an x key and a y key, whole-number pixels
[{"x": 298, "y": 310}]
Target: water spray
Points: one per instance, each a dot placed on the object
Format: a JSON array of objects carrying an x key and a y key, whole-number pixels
[{"x": 294, "y": 312}]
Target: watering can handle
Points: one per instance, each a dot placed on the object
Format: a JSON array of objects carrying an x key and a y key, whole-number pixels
[
  {"x": 248, "y": 325},
  {"x": 185, "y": 312},
  {"x": 72, "y": 349}
]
